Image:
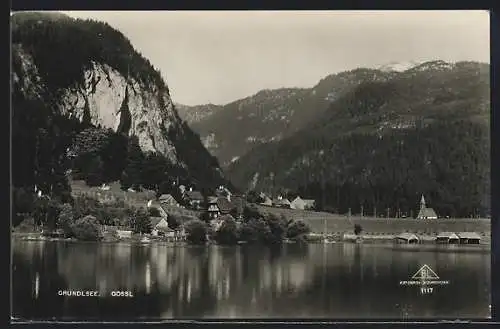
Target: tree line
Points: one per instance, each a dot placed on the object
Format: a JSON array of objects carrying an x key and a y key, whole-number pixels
[{"x": 447, "y": 162}]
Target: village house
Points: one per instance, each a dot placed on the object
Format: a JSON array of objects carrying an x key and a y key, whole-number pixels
[
  {"x": 194, "y": 199},
  {"x": 222, "y": 191},
  {"x": 219, "y": 206},
  {"x": 124, "y": 234},
  {"x": 267, "y": 201},
  {"x": 213, "y": 208},
  {"x": 281, "y": 202},
  {"x": 169, "y": 200},
  {"x": 224, "y": 205},
  {"x": 424, "y": 212},
  {"x": 302, "y": 204},
  {"x": 159, "y": 226}
]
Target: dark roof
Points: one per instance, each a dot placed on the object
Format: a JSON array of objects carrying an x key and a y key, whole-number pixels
[
  {"x": 212, "y": 199},
  {"x": 283, "y": 202},
  {"x": 221, "y": 193},
  {"x": 238, "y": 200},
  {"x": 226, "y": 217},
  {"x": 194, "y": 195},
  {"x": 167, "y": 198},
  {"x": 224, "y": 204},
  {"x": 407, "y": 236},
  {"x": 155, "y": 220},
  {"x": 267, "y": 200}
]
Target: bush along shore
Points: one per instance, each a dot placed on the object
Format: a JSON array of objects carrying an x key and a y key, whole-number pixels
[
  {"x": 88, "y": 219},
  {"x": 252, "y": 228}
]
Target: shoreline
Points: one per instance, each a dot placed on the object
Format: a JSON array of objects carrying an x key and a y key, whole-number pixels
[{"x": 365, "y": 239}]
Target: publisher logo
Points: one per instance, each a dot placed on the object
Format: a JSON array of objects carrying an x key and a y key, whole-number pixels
[
  {"x": 425, "y": 273},
  {"x": 425, "y": 278}
]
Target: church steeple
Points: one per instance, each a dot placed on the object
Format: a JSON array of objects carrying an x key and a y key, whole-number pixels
[{"x": 422, "y": 202}]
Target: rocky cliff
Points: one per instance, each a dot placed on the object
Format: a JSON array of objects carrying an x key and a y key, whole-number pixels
[
  {"x": 87, "y": 70},
  {"x": 109, "y": 98}
]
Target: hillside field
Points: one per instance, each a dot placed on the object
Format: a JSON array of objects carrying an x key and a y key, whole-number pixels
[
  {"x": 115, "y": 193},
  {"x": 341, "y": 223}
]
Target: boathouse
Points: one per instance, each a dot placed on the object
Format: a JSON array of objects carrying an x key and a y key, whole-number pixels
[
  {"x": 407, "y": 238},
  {"x": 469, "y": 237},
  {"x": 447, "y": 237}
]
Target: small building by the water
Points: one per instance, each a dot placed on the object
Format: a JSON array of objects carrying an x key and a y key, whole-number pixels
[
  {"x": 447, "y": 237},
  {"x": 159, "y": 226},
  {"x": 469, "y": 238},
  {"x": 407, "y": 238},
  {"x": 124, "y": 234}
]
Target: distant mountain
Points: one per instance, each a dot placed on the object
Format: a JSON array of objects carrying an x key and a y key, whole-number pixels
[
  {"x": 270, "y": 115},
  {"x": 192, "y": 114},
  {"x": 398, "y": 66},
  {"x": 383, "y": 142}
]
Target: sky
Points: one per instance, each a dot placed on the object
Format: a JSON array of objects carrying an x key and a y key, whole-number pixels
[{"x": 220, "y": 56}]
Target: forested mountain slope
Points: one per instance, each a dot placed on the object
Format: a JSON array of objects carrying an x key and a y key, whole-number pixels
[
  {"x": 383, "y": 144},
  {"x": 270, "y": 115}
]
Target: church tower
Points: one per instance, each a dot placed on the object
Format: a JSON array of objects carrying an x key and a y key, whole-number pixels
[
  {"x": 426, "y": 213},
  {"x": 422, "y": 203}
]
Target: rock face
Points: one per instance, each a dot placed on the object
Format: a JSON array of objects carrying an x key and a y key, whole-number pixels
[
  {"x": 88, "y": 70},
  {"x": 106, "y": 96}
]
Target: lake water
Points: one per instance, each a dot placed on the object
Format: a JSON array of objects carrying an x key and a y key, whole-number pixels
[{"x": 334, "y": 281}]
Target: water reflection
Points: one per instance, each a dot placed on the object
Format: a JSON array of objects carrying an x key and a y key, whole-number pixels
[{"x": 329, "y": 281}]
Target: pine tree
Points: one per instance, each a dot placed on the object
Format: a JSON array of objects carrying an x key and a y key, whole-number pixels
[{"x": 132, "y": 175}]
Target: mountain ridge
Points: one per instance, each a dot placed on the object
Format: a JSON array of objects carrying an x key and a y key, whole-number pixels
[{"x": 270, "y": 115}]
